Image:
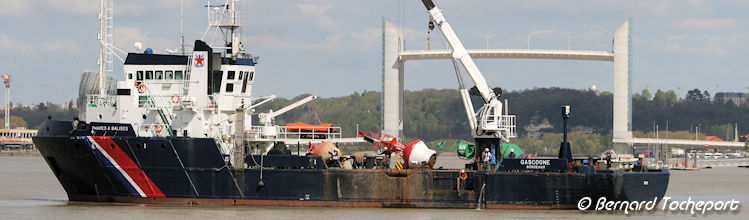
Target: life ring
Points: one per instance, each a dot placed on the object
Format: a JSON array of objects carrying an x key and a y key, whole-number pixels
[
  {"x": 158, "y": 127},
  {"x": 463, "y": 175},
  {"x": 142, "y": 87},
  {"x": 211, "y": 106},
  {"x": 173, "y": 98}
]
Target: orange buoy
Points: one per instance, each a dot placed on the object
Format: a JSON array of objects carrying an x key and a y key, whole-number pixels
[
  {"x": 175, "y": 98},
  {"x": 158, "y": 127},
  {"x": 142, "y": 87}
]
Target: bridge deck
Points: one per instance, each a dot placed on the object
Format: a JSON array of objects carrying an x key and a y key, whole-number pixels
[{"x": 512, "y": 53}]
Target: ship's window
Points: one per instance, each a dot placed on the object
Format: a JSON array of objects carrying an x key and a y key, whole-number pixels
[
  {"x": 252, "y": 75},
  {"x": 142, "y": 101},
  {"x": 168, "y": 75},
  {"x": 123, "y": 91},
  {"x": 178, "y": 75},
  {"x": 129, "y": 75},
  {"x": 230, "y": 75},
  {"x": 217, "y": 78},
  {"x": 139, "y": 75},
  {"x": 149, "y": 75},
  {"x": 159, "y": 74},
  {"x": 240, "y": 74},
  {"x": 244, "y": 84},
  {"x": 229, "y": 87}
]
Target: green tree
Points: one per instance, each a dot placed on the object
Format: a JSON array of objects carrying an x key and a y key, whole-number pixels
[
  {"x": 695, "y": 95},
  {"x": 706, "y": 96},
  {"x": 665, "y": 98},
  {"x": 16, "y": 121},
  {"x": 646, "y": 94},
  {"x": 724, "y": 131}
]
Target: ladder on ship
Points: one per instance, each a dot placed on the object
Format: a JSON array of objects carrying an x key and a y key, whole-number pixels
[{"x": 161, "y": 110}]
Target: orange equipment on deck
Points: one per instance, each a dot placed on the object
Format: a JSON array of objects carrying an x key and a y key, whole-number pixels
[{"x": 304, "y": 127}]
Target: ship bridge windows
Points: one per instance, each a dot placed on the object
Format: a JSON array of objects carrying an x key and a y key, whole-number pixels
[
  {"x": 244, "y": 82},
  {"x": 168, "y": 75},
  {"x": 179, "y": 76},
  {"x": 159, "y": 75},
  {"x": 230, "y": 88},
  {"x": 230, "y": 75},
  {"x": 216, "y": 78}
]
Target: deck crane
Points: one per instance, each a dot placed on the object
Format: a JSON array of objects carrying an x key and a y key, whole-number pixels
[
  {"x": 489, "y": 126},
  {"x": 268, "y": 118}
]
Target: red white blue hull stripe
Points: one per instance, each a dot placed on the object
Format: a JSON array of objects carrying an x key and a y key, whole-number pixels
[{"x": 124, "y": 168}]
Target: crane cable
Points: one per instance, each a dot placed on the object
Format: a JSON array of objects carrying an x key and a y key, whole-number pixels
[
  {"x": 461, "y": 85},
  {"x": 457, "y": 74}
]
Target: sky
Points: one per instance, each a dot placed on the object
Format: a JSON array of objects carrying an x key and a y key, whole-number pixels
[{"x": 333, "y": 48}]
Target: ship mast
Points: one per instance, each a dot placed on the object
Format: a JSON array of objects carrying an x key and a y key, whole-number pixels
[
  {"x": 105, "y": 43},
  {"x": 227, "y": 19}
]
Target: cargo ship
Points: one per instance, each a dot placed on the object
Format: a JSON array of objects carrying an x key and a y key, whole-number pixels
[{"x": 179, "y": 130}]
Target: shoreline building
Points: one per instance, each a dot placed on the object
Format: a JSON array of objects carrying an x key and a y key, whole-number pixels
[{"x": 17, "y": 140}]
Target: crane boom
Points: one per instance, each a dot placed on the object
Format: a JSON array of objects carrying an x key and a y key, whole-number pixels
[
  {"x": 267, "y": 118},
  {"x": 459, "y": 51},
  {"x": 489, "y": 122}
]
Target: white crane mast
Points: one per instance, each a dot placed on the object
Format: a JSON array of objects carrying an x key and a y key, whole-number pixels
[
  {"x": 490, "y": 122},
  {"x": 6, "y": 80},
  {"x": 459, "y": 51}
]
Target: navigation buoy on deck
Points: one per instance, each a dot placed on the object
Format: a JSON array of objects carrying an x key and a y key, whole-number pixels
[{"x": 417, "y": 153}]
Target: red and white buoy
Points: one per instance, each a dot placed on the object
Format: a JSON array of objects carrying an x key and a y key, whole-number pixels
[{"x": 417, "y": 153}]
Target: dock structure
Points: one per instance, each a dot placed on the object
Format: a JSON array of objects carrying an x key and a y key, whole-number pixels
[
  {"x": 17, "y": 139},
  {"x": 679, "y": 163}
]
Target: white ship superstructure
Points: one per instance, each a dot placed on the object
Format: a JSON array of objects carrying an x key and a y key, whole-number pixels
[
  {"x": 193, "y": 95},
  {"x": 197, "y": 94}
]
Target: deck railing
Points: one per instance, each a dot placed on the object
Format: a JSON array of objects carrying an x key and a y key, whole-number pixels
[{"x": 293, "y": 132}]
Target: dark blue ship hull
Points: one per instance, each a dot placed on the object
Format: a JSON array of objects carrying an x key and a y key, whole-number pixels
[{"x": 111, "y": 164}]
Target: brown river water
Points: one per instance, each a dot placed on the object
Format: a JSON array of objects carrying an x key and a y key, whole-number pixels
[{"x": 29, "y": 190}]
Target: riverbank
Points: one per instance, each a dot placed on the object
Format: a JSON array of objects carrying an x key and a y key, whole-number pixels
[{"x": 19, "y": 153}]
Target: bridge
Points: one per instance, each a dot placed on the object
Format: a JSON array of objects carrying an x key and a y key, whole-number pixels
[
  {"x": 395, "y": 56},
  {"x": 511, "y": 54}
]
